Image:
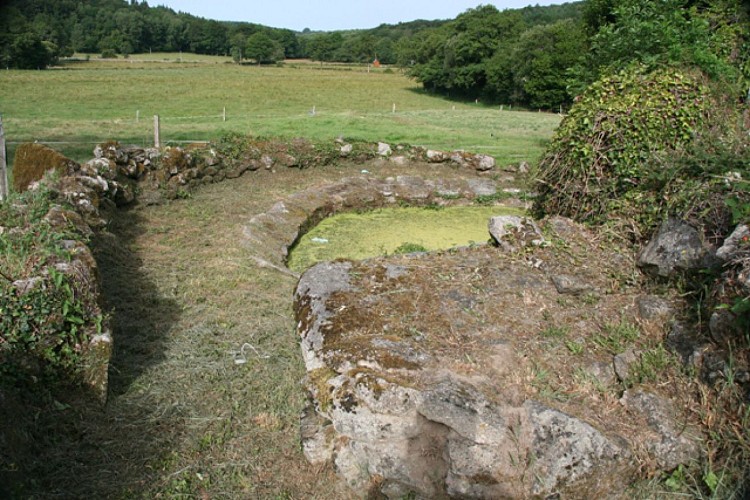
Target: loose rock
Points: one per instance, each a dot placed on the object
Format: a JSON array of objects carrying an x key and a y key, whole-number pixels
[
  {"x": 676, "y": 247},
  {"x": 511, "y": 232}
]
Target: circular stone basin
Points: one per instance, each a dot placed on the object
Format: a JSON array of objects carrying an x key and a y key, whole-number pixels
[{"x": 393, "y": 230}]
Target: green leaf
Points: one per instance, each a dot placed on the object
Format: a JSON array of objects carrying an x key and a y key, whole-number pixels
[
  {"x": 76, "y": 320},
  {"x": 711, "y": 480}
]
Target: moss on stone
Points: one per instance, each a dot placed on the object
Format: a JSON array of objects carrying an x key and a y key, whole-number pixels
[{"x": 32, "y": 161}]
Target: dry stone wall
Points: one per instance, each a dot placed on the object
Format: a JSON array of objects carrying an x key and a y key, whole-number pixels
[{"x": 120, "y": 175}]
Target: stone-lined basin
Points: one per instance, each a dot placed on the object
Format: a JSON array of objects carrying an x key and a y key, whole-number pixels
[
  {"x": 273, "y": 233},
  {"x": 477, "y": 373},
  {"x": 384, "y": 231}
]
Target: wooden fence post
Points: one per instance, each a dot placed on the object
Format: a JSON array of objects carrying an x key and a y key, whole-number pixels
[
  {"x": 224, "y": 114},
  {"x": 157, "y": 132},
  {"x": 3, "y": 165}
]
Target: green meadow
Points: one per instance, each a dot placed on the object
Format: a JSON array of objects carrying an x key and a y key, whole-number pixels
[{"x": 84, "y": 102}]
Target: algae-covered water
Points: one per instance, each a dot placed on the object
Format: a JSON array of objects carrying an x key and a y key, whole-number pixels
[{"x": 391, "y": 230}]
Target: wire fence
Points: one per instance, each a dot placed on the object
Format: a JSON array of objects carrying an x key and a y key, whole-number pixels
[
  {"x": 3, "y": 164},
  {"x": 138, "y": 126}
]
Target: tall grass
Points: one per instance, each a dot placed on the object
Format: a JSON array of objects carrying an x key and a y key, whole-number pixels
[{"x": 88, "y": 102}]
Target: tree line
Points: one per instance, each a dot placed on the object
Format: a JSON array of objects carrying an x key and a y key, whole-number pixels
[
  {"x": 545, "y": 62},
  {"x": 36, "y": 33},
  {"x": 538, "y": 57}
]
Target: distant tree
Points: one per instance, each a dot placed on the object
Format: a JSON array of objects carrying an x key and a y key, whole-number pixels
[
  {"x": 29, "y": 51},
  {"x": 113, "y": 42},
  {"x": 237, "y": 44},
  {"x": 264, "y": 49},
  {"x": 363, "y": 47},
  {"x": 289, "y": 41},
  {"x": 385, "y": 52},
  {"x": 541, "y": 58},
  {"x": 502, "y": 86},
  {"x": 323, "y": 47},
  {"x": 454, "y": 57}
]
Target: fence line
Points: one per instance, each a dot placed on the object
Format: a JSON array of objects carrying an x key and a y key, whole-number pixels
[
  {"x": 54, "y": 142},
  {"x": 225, "y": 114},
  {"x": 157, "y": 139},
  {"x": 3, "y": 165},
  {"x": 175, "y": 141}
]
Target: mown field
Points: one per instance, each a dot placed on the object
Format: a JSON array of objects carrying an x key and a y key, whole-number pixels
[{"x": 85, "y": 102}]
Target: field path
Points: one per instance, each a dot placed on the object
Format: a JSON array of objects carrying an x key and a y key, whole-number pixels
[{"x": 187, "y": 298}]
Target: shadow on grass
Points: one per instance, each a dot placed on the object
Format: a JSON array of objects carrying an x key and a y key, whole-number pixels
[
  {"x": 64, "y": 444},
  {"x": 455, "y": 98}
]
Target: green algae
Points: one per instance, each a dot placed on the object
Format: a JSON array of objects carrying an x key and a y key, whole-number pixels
[{"x": 381, "y": 232}]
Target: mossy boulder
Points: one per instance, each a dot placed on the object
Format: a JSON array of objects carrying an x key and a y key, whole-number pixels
[
  {"x": 33, "y": 160},
  {"x": 473, "y": 374}
]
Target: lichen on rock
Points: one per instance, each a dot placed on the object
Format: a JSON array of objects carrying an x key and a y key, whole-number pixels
[{"x": 459, "y": 375}]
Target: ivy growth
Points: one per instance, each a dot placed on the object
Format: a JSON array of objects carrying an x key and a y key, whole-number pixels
[
  {"x": 43, "y": 316},
  {"x": 606, "y": 159}
]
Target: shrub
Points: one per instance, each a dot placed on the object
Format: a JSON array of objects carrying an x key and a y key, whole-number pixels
[{"x": 618, "y": 150}]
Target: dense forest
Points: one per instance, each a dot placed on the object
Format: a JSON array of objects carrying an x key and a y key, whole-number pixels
[
  {"x": 538, "y": 57},
  {"x": 544, "y": 61},
  {"x": 34, "y": 34}
]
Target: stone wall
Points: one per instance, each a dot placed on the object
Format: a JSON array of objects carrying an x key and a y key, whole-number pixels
[{"x": 120, "y": 175}]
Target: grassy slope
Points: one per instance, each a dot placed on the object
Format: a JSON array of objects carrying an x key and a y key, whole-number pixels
[{"x": 95, "y": 101}]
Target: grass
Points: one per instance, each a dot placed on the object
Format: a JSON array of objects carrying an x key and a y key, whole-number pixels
[
  {"x": 90, "y": 102},
  {"x": 152, "y": 57},
  {"x": 184, "y": 418},
  {"x": 617, "y": 337}
]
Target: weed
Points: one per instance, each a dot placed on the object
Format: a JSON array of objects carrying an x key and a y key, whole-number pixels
[
  {"x": 616, "y": 338},
  {"x": 582, "y": 376},
  {"x": 555, "y": 332},
  {"x": 651, "y": 366},
  {"x": 590, "y": 298},
  {"x": 450, "y": 196},
  {"x": 562, "y": 302},
  {"x": 406, "y": 248},
  {"x": 677, "y": 479},
  {"x": 542, "y": 383},
  {"x": 574, "y": 347},
  {"x": 491, "y": 199}
]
